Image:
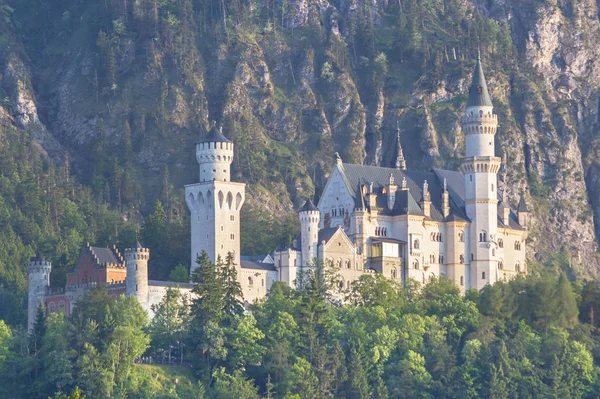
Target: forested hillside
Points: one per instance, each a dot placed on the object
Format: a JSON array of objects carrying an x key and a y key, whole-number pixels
[
  {"x": 101, "y": 103},
  {"x": 534, "y": 337}
]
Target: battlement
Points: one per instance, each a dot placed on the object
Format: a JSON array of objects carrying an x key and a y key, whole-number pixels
[{"x": 39, "y": 266}]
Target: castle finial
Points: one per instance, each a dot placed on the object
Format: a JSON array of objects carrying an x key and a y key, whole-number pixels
[
  {"x": 338, "y": 159},
  {"x": 403, "y": 182},
  {"x": 391, "y": 179},
  {"x": 445, "y": 184},
  {"x": 400, "y": 161}
]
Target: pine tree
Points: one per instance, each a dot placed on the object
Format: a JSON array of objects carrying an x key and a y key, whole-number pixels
[{"x": 232, "y": 290}]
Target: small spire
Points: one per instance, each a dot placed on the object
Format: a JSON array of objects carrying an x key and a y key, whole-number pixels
[
  {"x": 400, "y": 161},
  {"x": 445, "y": 184},
  {"x": 359, "y": 202},
  {"x": 391, "y": 179},
  {"x": 478, "y": 92},
  {"x": 426, "y": 196},
  {"x": 522, "y": 207},
  {"x": 309, "y": 206},
  {"x": 403, "y": 182}
]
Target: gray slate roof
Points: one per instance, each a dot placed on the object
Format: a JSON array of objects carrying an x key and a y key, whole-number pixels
[
  {"x": 249, "y": 264},
  {"x": 105, "y": 255},
  {"x": 327, "y": 233},
  {"x": 309, "y": 206},
  {"x": 522, "y": 205},
  {"x": 478, "y": 93},
  {"x": 214, "y": 136},
  {"x": 407, "y": 202}
]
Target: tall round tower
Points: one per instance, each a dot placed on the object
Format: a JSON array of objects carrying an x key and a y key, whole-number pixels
[
  {"x": 309, "y": 231},
  {"x": 38, "y": 271},
  {"x": 480, "y": 169},
  {"x": 214, "y": 153},
  {"x": 136, "y": 260}
]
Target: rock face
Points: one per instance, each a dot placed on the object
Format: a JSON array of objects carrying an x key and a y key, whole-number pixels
[{"x": 294, "y": 81}]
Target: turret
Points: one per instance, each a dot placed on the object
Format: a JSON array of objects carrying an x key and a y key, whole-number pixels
[
  {"x": 391, "y": 192},
  {"x": 214, "y": 154},
  {"x": 38, "y": 272},
  {"x": 309, "y": 225},
  {"x": 136, "y": 260}
]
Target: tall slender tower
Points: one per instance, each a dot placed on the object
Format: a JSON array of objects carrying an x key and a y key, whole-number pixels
[
  {"x": 309, "y": 224},
  {"x": 136, "y": 283},
  {"x": 480, "y": 169},
  {"x": 215, "y": 202},
  {"x": 38, "y": 272}
]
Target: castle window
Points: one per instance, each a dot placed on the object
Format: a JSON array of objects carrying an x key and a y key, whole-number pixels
[
  {"x": 416, "y": 244},
  {"x": 492, "y": 188},
  {"x": 221, "y": 227},
  {"x": 501, "y": 265},
  {"x": 441, "y": 259},
  {"x": 393, "y": 273},
  {"x": 294, "y": 262},
  {"x": 470, "y": 177},
  {"x": 493, "y": 252},
  {"x": 347, "y": 264},
  {"x": 518, "y": 267},
  {"x": 518, "y": 245},
  {"x": 232, "y": 236},
  {"x": 61, "y": 306},
  {"x": 232, "y": 218},
  {"x": 483, "y": 236},
  {"x": 462, "y": 280},
  {"x": 136, "y": 266},
  {"x": 500, "y": 243},
  {"x": 51, "y": 308},
  {"x": 416, "y": 264},
  {"x": 341, "y": 284},
  {"x": 461, "y": 237},
  {"x": 136, "y": 287},
  {"x": 250, "y": 281},
  {"x": 461, "y": 259},
  {"x": 262, "y": 282},
  {"x": 483, "y": 275},
  {"x": 472, "y": 257}
]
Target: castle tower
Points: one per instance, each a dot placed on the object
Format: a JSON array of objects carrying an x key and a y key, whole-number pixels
[
  {"x": 309, "y": 231},
  {"x": 480, "y": 169},
  {"x": 136, "y": 283},
  {"x": 215, "y": 202},
  {"x": 38, "y": 271}
]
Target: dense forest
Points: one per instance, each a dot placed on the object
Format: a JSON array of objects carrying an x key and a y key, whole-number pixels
[{"x": 533, "y": 337}]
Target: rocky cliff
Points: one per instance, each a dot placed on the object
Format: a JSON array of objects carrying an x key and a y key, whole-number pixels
[{"x": 294, "y": 81}]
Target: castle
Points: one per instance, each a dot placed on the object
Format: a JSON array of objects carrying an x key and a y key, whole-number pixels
[{"x": 402, "y": 223}]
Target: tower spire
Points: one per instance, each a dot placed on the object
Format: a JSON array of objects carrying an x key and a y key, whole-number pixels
[
  {"x": 400, "y": 161},
  {"x": 478, "y": 93}
]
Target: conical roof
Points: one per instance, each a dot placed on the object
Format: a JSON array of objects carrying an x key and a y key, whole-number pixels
[
  {"x": 478, "y": 93},
  {"x": 522, "y": 205},
  {"x": 309, "y": 206},
  {"x": 215, "y": 135},
  {"x": 359, "y": 200}
]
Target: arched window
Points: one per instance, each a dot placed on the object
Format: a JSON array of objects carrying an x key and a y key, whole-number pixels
[
  {"x": 61, "y": 306},
  {"x": 339, "y": 263},
  {"x": 441, "y": 238},
  {"x": 462, "y": 280},
  {"x": 500, "y": 243},
  {"x": 51, "y": 308},
  {"x": 461, "y": 236},
  {"x": 393, "y": 273},
  {"x": 518, "y": 267},
  {"x": 483, "y": 275},
  {"x": 482, "y": 236},
  {"x": 416, "y": 264},
  {"x": 250, "y": 281},
  {"x": 518, "y": 245},
  {"x": 461, "y": 258},
  {"x": 341, "y": 284},
  {"x": 501, "y": 265},
  {"x": 441, "y": 259},
  {"x": 416, "y": 244},
  {"x": 347, "y": 264}
]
